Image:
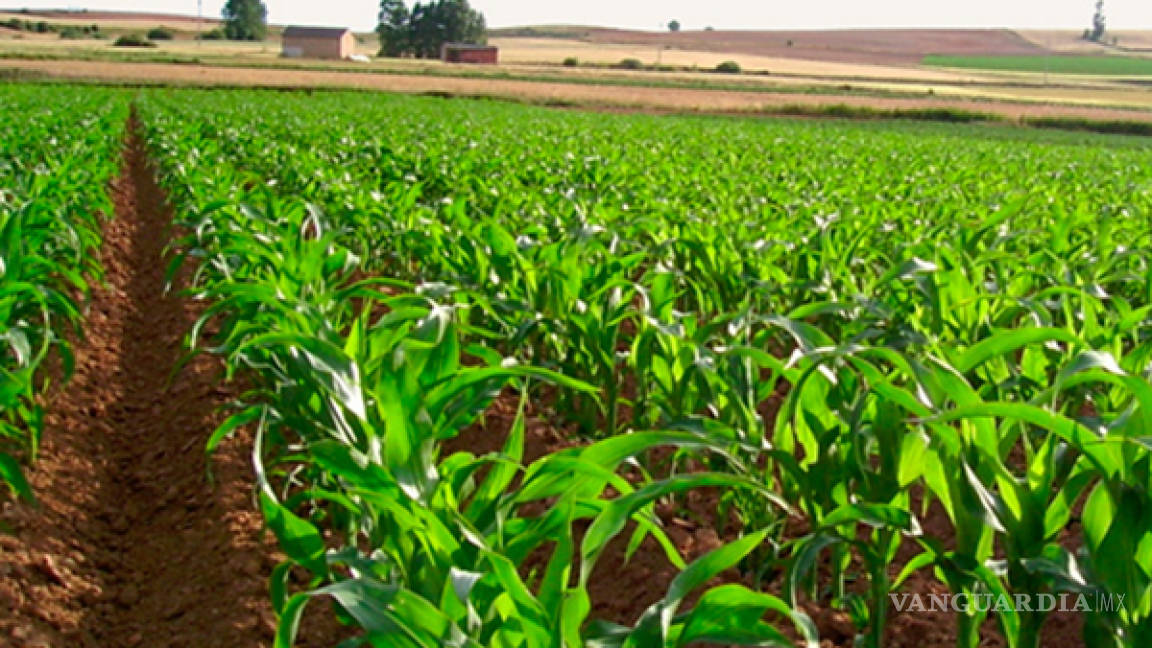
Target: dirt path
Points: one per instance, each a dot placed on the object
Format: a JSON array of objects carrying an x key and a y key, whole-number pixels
[{"x": 131, "y": 546}]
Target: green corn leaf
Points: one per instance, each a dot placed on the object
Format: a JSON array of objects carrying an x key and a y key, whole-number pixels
[
  {"x": 298, "y": 538},
  {"x": 245, "y": 417},
  {"x": 12, "y": 475},
  {"x": 733, "y": 615},
  {"x": 654, "y": 628},
  {"x": 611, "y": 522},
  {"x": 1007, "y": 342}
]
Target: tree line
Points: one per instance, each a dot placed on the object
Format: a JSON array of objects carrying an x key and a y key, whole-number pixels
[
  {"x": 419, "y": 31},
  {"x": 422, "y": 30}
]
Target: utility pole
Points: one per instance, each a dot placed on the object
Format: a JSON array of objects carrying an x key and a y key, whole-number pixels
[{"x": 199, "y": 22}]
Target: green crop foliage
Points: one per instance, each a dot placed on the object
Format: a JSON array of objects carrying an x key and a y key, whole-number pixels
[
  {"x": 58, "y": 151},
  {"x": 860, "y": 327},
  {"x": 1061, "y": 64}
]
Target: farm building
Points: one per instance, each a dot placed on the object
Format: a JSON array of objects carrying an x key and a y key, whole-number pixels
[
  {"x": 468, "y": 53},
  {"x": 319, "y": 42}
]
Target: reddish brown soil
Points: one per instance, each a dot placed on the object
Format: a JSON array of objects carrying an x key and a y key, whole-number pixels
[
  {"x": 877, "y": 46},
  {"x": 130, "y": 545}
]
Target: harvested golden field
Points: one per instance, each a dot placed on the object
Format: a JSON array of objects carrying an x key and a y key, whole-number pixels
[
  {"x": 555, "y": 50},
  {"x": 1134, "y": 96},
  {"x": 536, "y": 54},
  {"x": 582, "y": 94}
]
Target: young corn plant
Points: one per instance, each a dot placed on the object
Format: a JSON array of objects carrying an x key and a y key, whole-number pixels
[
  {"x": 843, "y": 449},
  {"x": 381, "y": 406},
  {"x": 55, "y": 164}
]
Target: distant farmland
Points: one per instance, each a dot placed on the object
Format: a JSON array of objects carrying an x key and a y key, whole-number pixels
[
  {"x": 874, "y": 46},
  {"x": 1101, "y": 65}
]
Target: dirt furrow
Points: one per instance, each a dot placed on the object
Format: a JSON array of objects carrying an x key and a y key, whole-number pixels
[{"x": 131, "y": 545}]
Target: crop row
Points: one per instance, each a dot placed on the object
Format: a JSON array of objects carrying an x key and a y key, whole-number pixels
[
  {"x": 956, "y": 321},
  {"x": 59, "y": 148}
]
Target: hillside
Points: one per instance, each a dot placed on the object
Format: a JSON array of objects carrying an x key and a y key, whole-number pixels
[
  {"x": 876, "y": 46},
  {"x": 99, "y": 16},
  {"x": 1126, "y": 41},
  {"x": 112, "y": 20},
  {"x": 900, "y": 47}
]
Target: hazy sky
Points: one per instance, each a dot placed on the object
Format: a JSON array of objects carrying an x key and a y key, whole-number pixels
[{"x": 650, "y": 14}]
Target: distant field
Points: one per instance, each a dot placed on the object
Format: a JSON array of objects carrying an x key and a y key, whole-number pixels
[
  {"x": 550, "y": 92},
  {"x": 1070, "y": 41},
  {"x": 114, "y": 22},
  {"x": 899, "y": 47},
  {"x": 529, "y": 50},
  {"x": 1100, "y": 65},
  {"x": 860, "y": 65}
]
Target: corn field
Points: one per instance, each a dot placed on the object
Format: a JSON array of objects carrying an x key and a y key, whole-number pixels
[
  {"x": 842, "y": 329},
  {"x": 57, "y": 154}
]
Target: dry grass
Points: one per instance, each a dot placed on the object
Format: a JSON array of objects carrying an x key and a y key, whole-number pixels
[{"x": 1139, "y": 98}]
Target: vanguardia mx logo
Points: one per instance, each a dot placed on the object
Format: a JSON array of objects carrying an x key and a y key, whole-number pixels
[{"x": 1099, "y": 602}]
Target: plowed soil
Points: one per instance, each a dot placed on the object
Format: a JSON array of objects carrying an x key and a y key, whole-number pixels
[
  {"x": 131, "y": 545},
  {"x": 876, "y": 46}
]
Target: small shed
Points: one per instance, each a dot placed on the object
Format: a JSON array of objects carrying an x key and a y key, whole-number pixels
[
  {"x": 319, "y": 42},
  {"x": 469, "y": 53}
]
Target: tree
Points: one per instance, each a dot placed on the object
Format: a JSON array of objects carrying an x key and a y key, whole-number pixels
[
  {"x": 1099, "y": 24},
  {"x": 245, "y": 20},
  {"x": 422, "y": 31},
  {"x": 674, "y": 26},
  {"x": 393, "y": 28}
]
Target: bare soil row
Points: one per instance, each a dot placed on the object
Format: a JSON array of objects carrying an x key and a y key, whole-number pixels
[{"x": 130, "y": 544}]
